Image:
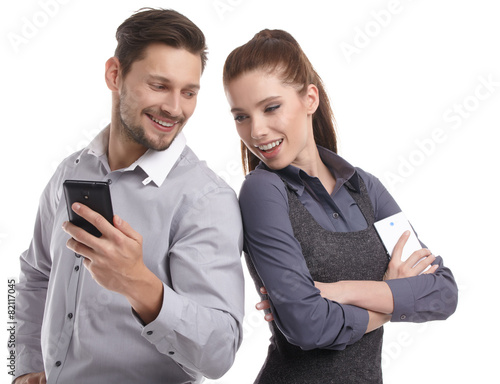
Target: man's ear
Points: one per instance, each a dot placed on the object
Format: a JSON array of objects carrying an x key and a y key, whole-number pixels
[
  {"x": 312, "y": 98},
  {"x": 112, "y": 74}
]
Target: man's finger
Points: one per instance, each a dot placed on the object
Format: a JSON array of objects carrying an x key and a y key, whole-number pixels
[
  {"x": 80, "y": 248},
  {"x": 93, "y": 218},
  {"x": 78, "y": 235},
  {"x": 126, "y": 229}
]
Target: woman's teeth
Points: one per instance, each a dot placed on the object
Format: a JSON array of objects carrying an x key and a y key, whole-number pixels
[
  {"x": 269, "y": 146},
  {"x": 165, "y": 124}
]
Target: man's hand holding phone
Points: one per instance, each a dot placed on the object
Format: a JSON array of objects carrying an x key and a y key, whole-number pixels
[
  {"x": 112, "y": 258},
  {"x": 115, "y": 260}
]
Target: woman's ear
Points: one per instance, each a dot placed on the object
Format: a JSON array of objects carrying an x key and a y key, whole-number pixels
[
  {"x": 112, "y": 74},
  {"x": 312, "y": 98}
]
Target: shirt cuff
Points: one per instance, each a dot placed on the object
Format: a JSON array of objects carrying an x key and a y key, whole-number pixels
[
  {"x": 404, "y": 300},
  {"x": 167, "y": 320},
  {"x": 358, "y": 317}
]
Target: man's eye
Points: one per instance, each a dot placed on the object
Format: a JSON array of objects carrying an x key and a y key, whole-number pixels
[
  {"x": 240, "y": 118},
  {"x": 158, "y": 87}
]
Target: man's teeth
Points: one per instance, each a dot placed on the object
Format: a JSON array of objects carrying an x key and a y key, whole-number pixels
[
  {"x": 269, "y": 146},
  {"x": 165, "y": 124}
]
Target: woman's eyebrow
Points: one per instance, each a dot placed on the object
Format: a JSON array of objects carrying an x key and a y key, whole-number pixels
[{"x": 263, "y": 101}]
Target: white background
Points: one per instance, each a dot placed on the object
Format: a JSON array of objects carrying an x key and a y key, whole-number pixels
[{"x": 398, "y": 74}]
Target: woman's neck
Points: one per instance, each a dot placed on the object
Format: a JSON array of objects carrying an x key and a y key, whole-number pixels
[{"x": 314, "y": 167}]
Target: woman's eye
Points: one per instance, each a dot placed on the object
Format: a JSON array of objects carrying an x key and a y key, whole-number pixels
[{"x": 272, "y": 108}]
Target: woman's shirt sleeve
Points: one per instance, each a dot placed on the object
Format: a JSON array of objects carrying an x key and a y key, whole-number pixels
[
  {"x": 303, "y": 316},
  {"x": 421, "y": 298}
]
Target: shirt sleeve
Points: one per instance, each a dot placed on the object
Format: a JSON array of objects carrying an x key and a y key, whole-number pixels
[
  {"x": 200, "y": 322},
  {"x": 304, "y": 317},
  {"x": 35, "y": 267},
  {"x": 421, "y": 298}
]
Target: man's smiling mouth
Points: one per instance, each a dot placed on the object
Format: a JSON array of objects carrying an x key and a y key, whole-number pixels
[{"x": 161, "y": 122}]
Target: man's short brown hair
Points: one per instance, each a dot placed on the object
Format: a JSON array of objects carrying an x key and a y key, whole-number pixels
[{"x": 148, "y": 26}]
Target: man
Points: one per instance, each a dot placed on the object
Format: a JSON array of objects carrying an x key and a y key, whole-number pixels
[{"x": 158, "y": 298}]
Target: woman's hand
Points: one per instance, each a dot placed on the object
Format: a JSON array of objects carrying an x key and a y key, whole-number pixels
[
  {"x": 264, "y": 304},
  {"x": 416, "y": 264},
  {"x": 372, "y": 295}
]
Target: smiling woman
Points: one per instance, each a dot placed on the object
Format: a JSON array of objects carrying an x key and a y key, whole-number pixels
[
  {"x": 268, "y": 124},
  {"x": 298, "y": 74},
  {"x": 308, "y": 218}
]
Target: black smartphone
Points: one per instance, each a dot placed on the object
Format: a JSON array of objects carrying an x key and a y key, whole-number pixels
[{"x": 93, "y": 194}]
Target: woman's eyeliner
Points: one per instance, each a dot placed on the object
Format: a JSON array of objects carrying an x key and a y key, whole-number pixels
[{"x": 272, "y": 108}]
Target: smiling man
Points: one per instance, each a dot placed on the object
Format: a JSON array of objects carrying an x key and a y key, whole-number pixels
[{"x": 158, "y": 298}]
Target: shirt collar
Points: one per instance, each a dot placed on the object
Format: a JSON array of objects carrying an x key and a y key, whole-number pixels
[
  {"x": 99, "y": 145},
  {"x": 156, "y": 164},
  {"x": 342, "y": 170}
]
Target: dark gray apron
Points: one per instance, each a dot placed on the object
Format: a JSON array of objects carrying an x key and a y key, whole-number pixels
[{"x": 330, "y": 257}]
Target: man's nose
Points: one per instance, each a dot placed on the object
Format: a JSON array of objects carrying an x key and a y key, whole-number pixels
[{"x": 172, "y": 104}]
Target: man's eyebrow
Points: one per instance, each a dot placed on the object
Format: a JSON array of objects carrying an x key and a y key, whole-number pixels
[
  {"x": 166, "y": 80},
  {"x": 263, "y": 101}
]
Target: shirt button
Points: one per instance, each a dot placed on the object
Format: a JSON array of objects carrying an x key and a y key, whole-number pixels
[
  {"x": 110, "y": 181},
  {"x": 335, "y": 215},
  {"x": 58, "y": 363},
  {"x": 70, "y": 316},
  {"x": 149, "y": 333},
  {"x": 171, "y": 353},
  {"x": 403, "y": 317},
  {"x": 77, "y": 268}
]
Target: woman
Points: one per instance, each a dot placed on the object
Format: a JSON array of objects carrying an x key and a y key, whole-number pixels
[{"x": 308, "y": 217}]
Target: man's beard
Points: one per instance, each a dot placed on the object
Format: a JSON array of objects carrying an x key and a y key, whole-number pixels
[{"x": 136, "y": 133}]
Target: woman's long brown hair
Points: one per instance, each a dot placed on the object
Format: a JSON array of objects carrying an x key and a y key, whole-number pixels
[{"x": 277, "y": 51}]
